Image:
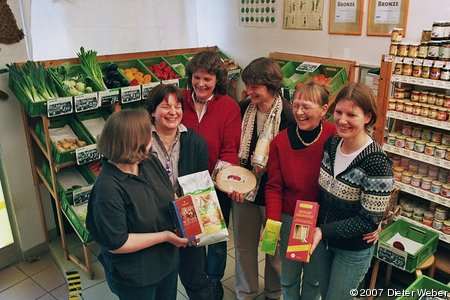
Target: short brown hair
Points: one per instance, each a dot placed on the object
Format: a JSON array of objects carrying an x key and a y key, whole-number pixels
[
  {"x": 125, "y": 136},
  {"x": 363, "y": 97},
  {"x": 210, "y": 62},
  {"x": 160, "y": 93},
  {"x": 264, "y": 71},
  {"x": 313, "y": 92}
]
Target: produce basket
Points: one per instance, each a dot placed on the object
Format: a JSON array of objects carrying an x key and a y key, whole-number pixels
[
  {"x": 59, "y": 122},
  {"x": 33, "y": 109},
  {"x": 76, "y": 176},
  {"x": 163, "y": 72},
  {"x": 425, "y": 286},
  {"x": 394, "y": 254},
  {"x": 234, "y": 70},
  {"x": 337, "y": 74},
  {"x": 77, "y": 224},
  {"x": 178, "y": 63},
  {"x": 89, "y": 124}
]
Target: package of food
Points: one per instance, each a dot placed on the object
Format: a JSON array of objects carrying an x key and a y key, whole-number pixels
[
  {"x": 302, "y": 230},
  {"x": 187, "y": 221},
  {"x": 270, "y": 236},
  {"x": 204, "y": 198}
]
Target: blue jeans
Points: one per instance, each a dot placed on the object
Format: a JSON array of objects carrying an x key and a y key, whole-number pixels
[
  {"x": 291, "y": 270},
  {"x": 338, "y": 272},
  {"x": 166, "y": 288}
]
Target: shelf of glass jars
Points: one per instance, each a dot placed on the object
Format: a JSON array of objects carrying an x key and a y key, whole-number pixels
[
  {"x": 442, "y": 236},
  {"x": 419, "y": 192},
  {"x": 418, "y": 120},
  {"x": 417, "y": 156}
]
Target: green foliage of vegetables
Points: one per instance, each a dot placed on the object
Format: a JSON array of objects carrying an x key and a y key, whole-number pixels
[
  {"x": 89, "y": 63},
  {"x": 33, "y": 80},
  {"x": 71, "y": 79}
]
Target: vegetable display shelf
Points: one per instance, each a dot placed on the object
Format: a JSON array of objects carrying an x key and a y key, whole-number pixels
[
  {"x": 45, "y": 163},
  {"x": 425, "y": 287}
]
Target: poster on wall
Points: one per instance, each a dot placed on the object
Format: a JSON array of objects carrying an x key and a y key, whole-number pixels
[
  {"x": 384, "y": 15},
  {"x": 303, "y": 14},
  {"x": 258, "y": 13},
  {"x": 387, "y": 13},
  {"x": 345, "y": 17}
]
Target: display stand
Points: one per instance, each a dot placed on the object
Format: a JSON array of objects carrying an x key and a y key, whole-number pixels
[{"x": 41, "y": 151}]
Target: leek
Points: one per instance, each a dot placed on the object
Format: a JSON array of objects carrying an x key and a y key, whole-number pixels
[{"x": 90, "y": 66}]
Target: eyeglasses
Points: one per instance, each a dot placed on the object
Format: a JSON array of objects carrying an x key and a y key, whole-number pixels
[{"x": 304, "y": 108}]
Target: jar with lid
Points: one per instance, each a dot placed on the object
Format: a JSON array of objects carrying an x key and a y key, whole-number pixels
[
  {"x": 417, "y": 71},
  {"x": 433, "y": 49},
  {"x": 409, "y": 143},
  {"x": 425, "y": 110},
  {"x": 425, "y": 72},
  {"x": 444, "y": 51},
  {"x": 438, "y": 224},
  {"x": 423, "y": 169},
  {"x": 413, "y": 166},
  {"x": 398, "y": 173},
  {"x": 447, "y": 101},
  {"x": 439, "y": 30},
  {"x": 419, "y": 146},
  {"x": 408, "y": 93},
  {"x": 436, "y": 136},
  {"x": 430, "y": 148},
  {"x": 404, "y": 162},
  {"x": 407, "y": 69},
  {"x": 423, "y": 97},
  {"x": 403, "y": 49},
  {"x": 399, "y": 93},
  {"x": 445, "y": 73},
  {"x": 431, "y": 99},
  {"x": 441, "y": 212},
  {"x": 396, "y": 160},
  {"x": 416, "y": 108},
  {"x": 428, "y": 215},
  {"x": 432, "y": 207},
  {"x": 446, "y": 139},
  {"x": 396, "y": 35},
  {"x": 432, "y": 112},
  {"x": 426, "y": 134},
  {"x": 435, "y": 73},
  {"x": 400, "y": 141},
  {"x": 413, "y": 50},
  {"x": 416, "y": 132},
  {"x": 398, "y": 69},
  {"x": 426, "y": 36},
  {"x": 433, "y": 172},
  {"x": 446, "y": 227},
  {"x": 439, "y": 99},
  {"x": 416, "y": 180},
  {"x": 406, "y": 177},
  {"x": 440, "y": 152},
  {"x": 436, "y": 187},
  {"x": 423, "y": 50},
  {"x": 426, "y": 183},
  {"x": 406, "y": 129},
  {"x": 393, "y": 49},
  {"x": 443, "y": 173},
  {"x": 445, "y": 191},
  {"x": 391, "y": 103},
  {"x": 415, "y": 95},
  {"x": 399, "y": 105},
  {"x": 391, "y": 139}
]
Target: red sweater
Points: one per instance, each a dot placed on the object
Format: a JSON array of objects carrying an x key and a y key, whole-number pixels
[
  {"x": 220, "y": 127},
  {"x": 293, "y": 174}
]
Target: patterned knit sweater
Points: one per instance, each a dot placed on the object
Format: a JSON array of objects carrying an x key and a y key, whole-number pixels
[{"x": 353, "y": 202}]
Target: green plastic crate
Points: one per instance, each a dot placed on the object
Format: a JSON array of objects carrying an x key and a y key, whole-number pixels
[
  {"x": 33, "y": 109},
  {"x": 92, "y": 115},
  {"x": 424, "y": 283},
  {"x": 174, "y": 61},
  {"x": 77, "y": 224},
  {"x": 77, "y": 128},
  {"x": 147, "y": 62},
  {"x": 233, "y": 75},
  {"x": 85, "y": 172},
  {"x": 338, "y": 74},
  {"x": 396, "y": 257}
]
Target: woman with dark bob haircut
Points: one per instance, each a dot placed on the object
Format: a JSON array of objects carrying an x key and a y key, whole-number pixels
[
  {"x": 128, "y": 212},
  {"x": 181, "y": 151},
  {"x": 209, "y": 111}
]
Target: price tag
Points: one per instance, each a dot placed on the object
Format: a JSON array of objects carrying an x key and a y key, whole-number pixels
[
  {"x": 427, "y": 63},
  {"x": 398, "y": 59},
  {"x": 108, "y": 97},
  {"x": 86, "y": 102},
  {"x": 130, "y": 94},
  {"x": 87, "y": 154},
  {"x": 60, "y": 106},
  {"x": 413, "y": 80},
  {"x": 81, "y": 195},
  {"x": 407, "y": 60},
  {"x": 146, "y": 88},
  {"x": 439, "y": 84},
  {"x": 388, "y": 58},
  {"x": 175, "y": 82},
  {"x": 418, "y": 61},
  {"x": 439, "y": 64},
  {"x": 392, "y": 255},
  {"x": 233, "y": 75}
]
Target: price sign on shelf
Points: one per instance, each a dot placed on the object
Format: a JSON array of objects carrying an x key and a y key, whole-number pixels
[
  {"x": 130, "y": 94},
  {"x": 439, "y": 63},
  {"x": 86, "y": 102},
  {"x": 147, "y": 88},
  {"x": 87, "y": 154},
  {"x": 108, "y": 97},
  {"x": 388, "y": 58},
  {"x": 81, "y": 195},
  {"x": 398, "y": 59},
  {"x": 427, "y": 63},
  {"x": 418, "y": 61},
  {"x": 408, "y": 60},
  {"x": 60, "y": 106}
]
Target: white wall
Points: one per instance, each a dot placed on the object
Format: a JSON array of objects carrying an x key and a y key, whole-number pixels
[
  {"x": 13, "y": 149},
  {"x": 218, "y": 24}
]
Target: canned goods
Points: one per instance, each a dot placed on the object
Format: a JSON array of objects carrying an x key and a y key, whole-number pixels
[
  {"x": 396, "y": 35},
  {"x": 413, "y": 166},
  {"x": 409, "y": 143},
  {"x": 442, "y": 175},
  {"x": 404, "y": 163},
  {"x": 408, "y": 207},
  {"x": 425, "y": 72},
  {"x": 433, "y": 49},
  {"x": 396, "y": 160},
  {"x": 426, "y": 183},
  {"x": 406, "y": 130},
  {"x": 417, "y": 218},
  {"x": 445, "y": 191},
  {"x": 436, "y": 136},
  {"x": 441, "y": 212},
  {"x": 441, "y": 114},
  {"x": 406, "y": 177},
  {"x": 399, "y": 105},
  {"x": 398, "y": 173},
  {"x": 391, "y": 139},
  {"x": 426, "y": 36},
  {"x": 403, "y": 50},
  {"x": 439, "y": 30},
  {"x": 446, "y": 139},
  {"x": 423, "y": 97},
  {"x": 408, "y": 107},
  {"x": 417, "y": 71},
  {"x": 445, "y": 74},
  {"x": 419, "y": 146},
  {"x": 416, "y": 180},
  {"x": 415, "y": 95},
  {"x": 424, "y": 111},
  {"x": 433, "y": 172},
  {"x": 416, "y": 108},
  {"x": 413, "y": 50},
  {"x": 407, "y": 69},
  {"x": 432, "y": 113},
  {"x": 446, "y": 227},
  {"x": 426, "y": 134},
  {"x": 400, "y": 141},
  {"x": 393, "y": 49},
  {"x": 432, "y": 207},
  {"x": 439, "y": 99},
  {"x": 416, "y": 132},
  {"x": 438, "y": 224},
  {"x": 423, "y": 50},
  {"x": 435, "y": 73},
  {"x": 436, "y": 187},
  {"x": 430, "y": 148},
  {"x": 444, "y": 51},
  {"x": 407, "y": 214},
  {"x": 399, "y": 93},
  {"x": 391, "y": 104},
  {"x": 398, "y": 69},
  {"x": 428, "y": 215},
  {"x": 446, "y": 101},
  {"x": 440, "y": 152},
  {"x": 431, "y": 98},
  {"x": 427, "y": 222}
]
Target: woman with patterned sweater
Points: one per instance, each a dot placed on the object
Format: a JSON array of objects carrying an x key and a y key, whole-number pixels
[{"x": 355, "y": 183}]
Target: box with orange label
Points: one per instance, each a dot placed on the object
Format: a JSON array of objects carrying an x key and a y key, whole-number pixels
[
  {"x": 187, "y": 222},
  {"x": 302, "y": 230}
]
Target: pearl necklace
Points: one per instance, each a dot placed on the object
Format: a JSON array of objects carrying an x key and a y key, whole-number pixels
[{"x": 305, "y": 143}]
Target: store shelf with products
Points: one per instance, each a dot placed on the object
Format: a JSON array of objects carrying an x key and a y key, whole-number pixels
[
  {"x": 57, "y": 167},
  {"x": 417, "y": 156},
  {"x": 442, "y": 236}
]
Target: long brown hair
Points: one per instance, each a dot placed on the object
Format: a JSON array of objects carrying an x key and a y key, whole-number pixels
[{"x": 125, "y": 136}]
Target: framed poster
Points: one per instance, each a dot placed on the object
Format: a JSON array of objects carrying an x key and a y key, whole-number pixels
[
  {"x": 384, "y": 15},
  {"x": 303, "y": 14},
  {"x": 258, "y": 13},
  {"x": 345, "y": 17}
]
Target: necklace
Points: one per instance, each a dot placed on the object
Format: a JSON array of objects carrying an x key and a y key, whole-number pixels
[
  {"x": 305, "y": 143},
  {"x": 198, "y": 101}
]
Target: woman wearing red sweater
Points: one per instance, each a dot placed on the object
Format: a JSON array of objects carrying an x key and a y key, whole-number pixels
[
  {"x": 293, "y": 171},
  {"x": 217, "y": 118}
]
